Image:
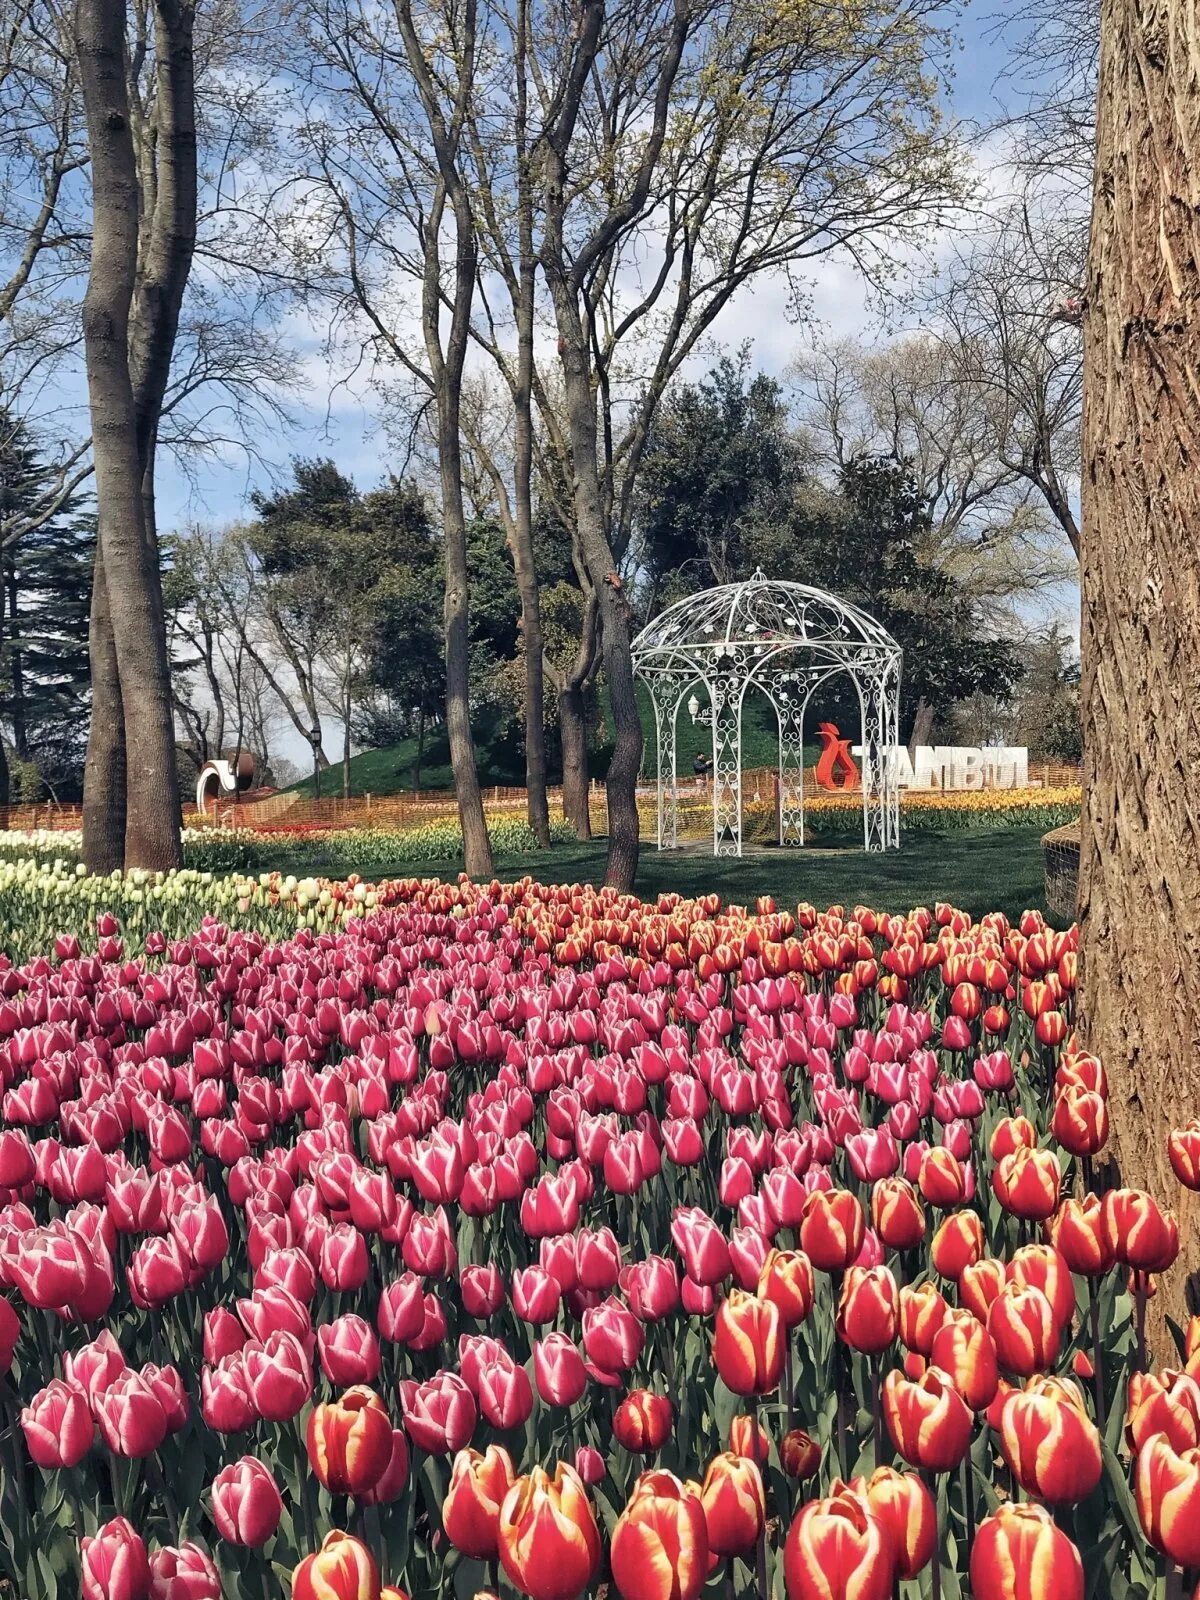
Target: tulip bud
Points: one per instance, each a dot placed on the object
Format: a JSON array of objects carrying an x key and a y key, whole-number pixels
[
  {"x": 922, "y": 1312},
  {"x": 1019, "y": 1554},
  {"x": 471, "y": 1509},
  {"x": 734, "y": 1504},
  {"x": 980, "y": 1284},
  {"x": 246, "y": 1502},
  {"x": 349, "y": 1441},
  {"x": 1167, "y": 1489},
  {"x": 749, "y": 1439},
  {"x": 114, "y": 1562},
  {"x": 906, "y": 1509},
  {"x": 440, "y": 1414},
  {"x": 831, "y": 1229},
  {"x": 1050, "y": 1442},
  {"x": 928, "y": 1420},
  {"x": 1024, "y": 1330},
  {"x": 868, "y": 1310},
  {"x": 58, "y": 1425},
  {"x": 799, "y": 1455},
  {"x": 349, "y": 1351},
  {"x": 1168, "y": 1403},
  {"x": 897, "y": 1214},
  {"x": 963, "y": 1349},
  {"x": 559, "y": 1370},
  {"x": 659, "y": 1546},
  {"x": 1183, "y": 1147},
  {"x": 957, "y": 1244},
  {"x": 1137, "y": 1231},
  {"x": 547, "y": 1535},
  {"x": 837, "y": 1547},
  {"x": 342, "y": 1569},
  {"x": 1076, "y": 1231},
  {"x": 183, "y": 1573},
  {"x": 786, "y": 1279},
  {"x": 749, "y": 1344},
  {"x": 1080, "y": 1120},
  {"x": 1026, "y": 1183},
  {"x": 642, "y": 1422}
]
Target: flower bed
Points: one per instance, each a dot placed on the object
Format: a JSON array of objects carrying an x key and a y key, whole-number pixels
[
  {"x": 921, "y": 811},
  {"x": 228, "y": 850},
  {"x": 529, "y": 1239}
]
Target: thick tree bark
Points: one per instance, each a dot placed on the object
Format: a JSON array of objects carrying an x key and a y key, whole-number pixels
[
  {"x": 1140, "y": 863},
  {"x": 130, "y": 567}
]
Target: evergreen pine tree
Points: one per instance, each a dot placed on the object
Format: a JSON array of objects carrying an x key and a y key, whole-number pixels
[{"x": 45, "y": 589}]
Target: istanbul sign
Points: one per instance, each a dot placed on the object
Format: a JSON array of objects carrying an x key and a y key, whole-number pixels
[{"x": 942, "y": 766}]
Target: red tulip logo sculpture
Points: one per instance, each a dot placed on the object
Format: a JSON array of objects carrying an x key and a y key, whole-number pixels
[{"x": 835, "y": 767}]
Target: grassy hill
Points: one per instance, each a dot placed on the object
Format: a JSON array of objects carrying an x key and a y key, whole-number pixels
[{"x": 391, "y": 769}]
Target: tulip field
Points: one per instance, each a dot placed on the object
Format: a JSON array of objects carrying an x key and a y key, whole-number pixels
[{"x": 431, "y": 1239}]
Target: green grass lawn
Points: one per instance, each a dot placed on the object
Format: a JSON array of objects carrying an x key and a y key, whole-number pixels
[
  {"x": 997, "y": 869},
  {"x": 392, "y": 769}
]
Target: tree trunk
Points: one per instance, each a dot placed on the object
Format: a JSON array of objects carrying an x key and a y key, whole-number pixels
[
  {"x": 314, "y": 741},
  {"x": 152, "y": 836},
  {"x": 523, "y": 563},
  {"x": 613, "y": 608},
  {"x": 572, "y": 722},
  {"x": 420, "y": 749},
  {"x": 16, "y": 673},
  {"x": 346, "y": 748},
  {"x": 573, "y": 733},
  {"x": 104, "y": 764},
  {"x": 1140, "y": 638},
  {"x": 446, "y": 366},
  {"x": 922, "y": 727}
]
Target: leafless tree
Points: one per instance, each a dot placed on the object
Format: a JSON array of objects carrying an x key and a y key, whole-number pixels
[
  {"x": 139, "y": 267},
  {"x": 1006, "y": 308}
]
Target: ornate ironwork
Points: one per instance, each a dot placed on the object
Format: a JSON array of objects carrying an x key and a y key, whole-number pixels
[{"x": 786, "y": 640}]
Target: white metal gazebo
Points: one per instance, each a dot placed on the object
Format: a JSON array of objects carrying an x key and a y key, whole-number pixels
[{"x": 786, "y": 640}]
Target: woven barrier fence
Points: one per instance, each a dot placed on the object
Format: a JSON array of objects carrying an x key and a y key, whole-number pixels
[{"x": 1060, "y": 854}]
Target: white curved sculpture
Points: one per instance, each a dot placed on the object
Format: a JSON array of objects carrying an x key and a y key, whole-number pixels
[{"x": 221, "y": 777}]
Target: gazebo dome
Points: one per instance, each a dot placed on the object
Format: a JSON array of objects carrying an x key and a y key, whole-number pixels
[
  {"x": 766, "y": 612},
  {"x": 785, "y": 639}
]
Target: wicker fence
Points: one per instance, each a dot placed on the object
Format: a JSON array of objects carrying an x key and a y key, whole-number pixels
[{"x": 1060, "y": 857}]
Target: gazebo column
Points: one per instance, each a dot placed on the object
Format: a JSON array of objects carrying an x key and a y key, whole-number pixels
[
  {"x": 790, "y": 713},
  {"x": 666, "y": 697},
  {"x": 726, "y": 701},
  {"x": 878, "y": 780}
]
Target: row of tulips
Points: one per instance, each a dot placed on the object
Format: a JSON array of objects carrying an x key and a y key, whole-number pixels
[{"x": 527, "y": 1239}]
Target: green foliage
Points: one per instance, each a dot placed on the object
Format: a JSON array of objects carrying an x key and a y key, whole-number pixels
[
  {"x": 45, "y": 595},
  {"x": 718, "y": 477}
]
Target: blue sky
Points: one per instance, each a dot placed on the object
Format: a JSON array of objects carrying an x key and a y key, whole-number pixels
[{"x": 332, "y": 421}]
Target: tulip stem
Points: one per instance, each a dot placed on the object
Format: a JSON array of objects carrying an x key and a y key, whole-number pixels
[
  {"x": 968, "y": 1502},
  {"x": 1097, "y": 1352},
  {"x": 760, "y": 1549},
  {"x": 935, "y": 1565},
  {"x": 1139, "y": 1295}
]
